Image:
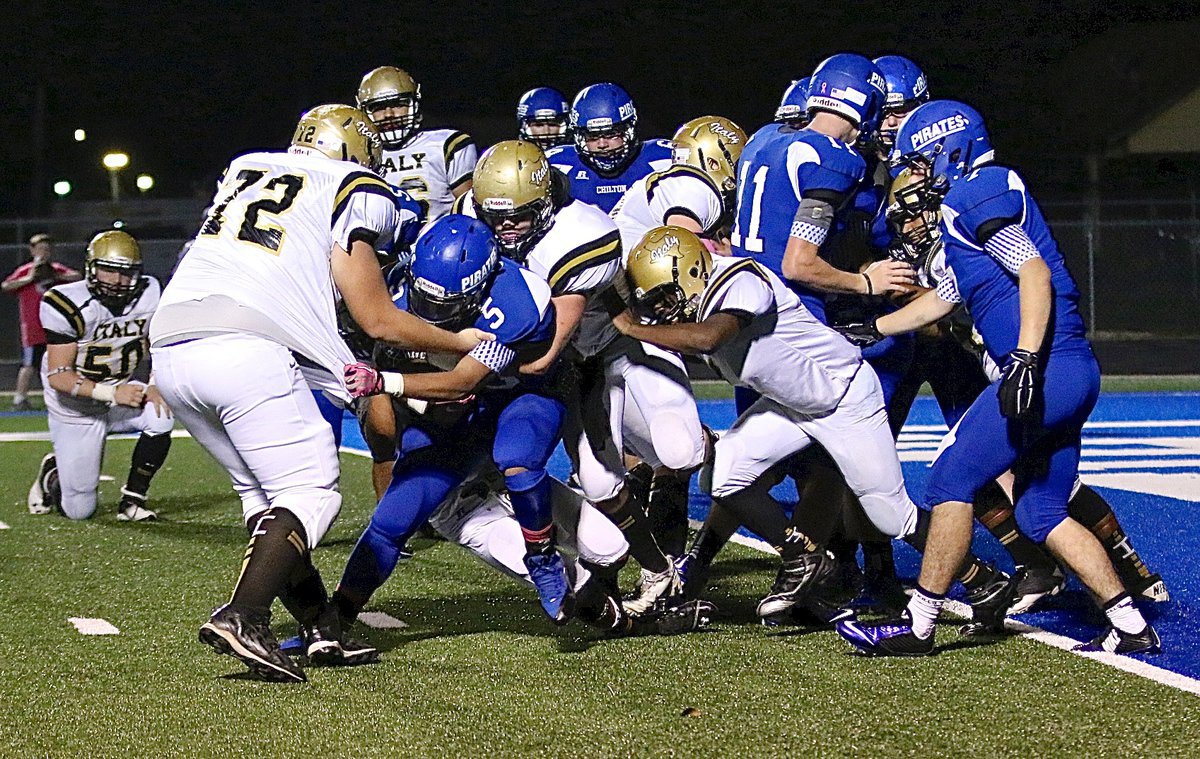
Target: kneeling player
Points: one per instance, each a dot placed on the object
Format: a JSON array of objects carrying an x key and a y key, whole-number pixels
[{"x": 96, "y": 335}]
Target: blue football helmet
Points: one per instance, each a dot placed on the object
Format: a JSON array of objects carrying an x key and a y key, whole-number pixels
[
  {"x": 547, "y": 107},
  {"x": 852, "y": 87},
  {"x": 605, "y": 110},
  {"x": 944, "y": 140},
  {"x": 906, "y": 89},
  {"x": 451, "y": 271},
  {"x": 793, "y": 109}
]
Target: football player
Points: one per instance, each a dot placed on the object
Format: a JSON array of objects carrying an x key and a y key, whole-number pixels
[
  {"x": 649, "y": 387},
  {"x": 456, "y": 279},
  {"x": 607, "y": 156},
  {"x": 1005, "y": 266},
  {"x": 542, "y": 118},
  {"x": 96, "y": 338},
  {"x": 431, "y": 165},
  {"x": 576, "y": 248},
  {"x": 793, "y": 108},
  {"x": 247, "y": 326},
  {"x": 814, "y": 387}
]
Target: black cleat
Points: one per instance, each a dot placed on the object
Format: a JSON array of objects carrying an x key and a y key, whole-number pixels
[
  {"x": 796, "y": 577},
  {"x": 688, "y": 617},
  {"x": 1034, "y": 584},
  {"x": 1114, "y": 641},
  {"x": 45, "y": 494},
  {"x": 326, "y": 644},
  {"x": 693, "y": 574},
  {"x": 989, "y": 605},
  {"x": 248, "y": 637}
]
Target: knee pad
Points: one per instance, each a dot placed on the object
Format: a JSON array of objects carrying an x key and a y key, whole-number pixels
[
  {"x": 316, "y": 508},
  {"x": 678, "y": 446},
  {"x": 1038, "y": 517},
  {"x": 525, "y": 480}
]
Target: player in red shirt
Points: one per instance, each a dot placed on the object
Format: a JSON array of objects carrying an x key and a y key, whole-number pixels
[{"x": 28, "y": 282}]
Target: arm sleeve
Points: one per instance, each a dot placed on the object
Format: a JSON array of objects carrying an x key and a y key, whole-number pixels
[
  {"x": 493, "y": 354},
  {"x": 1011, "y": 247},
  {"x": 947, "y": 289}
]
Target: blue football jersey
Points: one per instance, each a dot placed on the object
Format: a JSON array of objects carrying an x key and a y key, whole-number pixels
[
  {"x": 517, "y": 310},
  {"x": 604, "y": 192},
  {"x": 412, "y": 218},
  {"x": 990, "y": 198},
  {"x": 778, "y": 168}
]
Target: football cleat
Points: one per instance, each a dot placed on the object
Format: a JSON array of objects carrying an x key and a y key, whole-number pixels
[
  {"x": 1034, "y": 584},
  {"x": 688, "y": 617},
  {"x": 549, "y": 576},
  {"x": 248, "y": 637},
  {"x": 989, "y": 605},
  {"x": 22, "y": 405},
  {"x": 133, "y": 508},
  {"x": 796, "y": 577},
  {"x": 693, "y": 575},
  {"x": 894, "y": 637},
  {"x": 1151, "y": 588},
  {"x": 1114, "y": 641},
  {"x": 653, "y": 588},
  {"x": 42, "y": 493},
  {"x": 813, "y": 611},
  {"x": 325, "y": 645}
]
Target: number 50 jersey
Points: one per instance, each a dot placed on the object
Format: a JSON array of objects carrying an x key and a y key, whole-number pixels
[
  {"x": 110, "y": 345},
  {"x": 261, "y": 262}
]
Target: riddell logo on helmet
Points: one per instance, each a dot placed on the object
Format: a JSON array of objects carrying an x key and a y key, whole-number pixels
[
  {"x": 939, "y": 129},
  {"x": 665, "y": 247},
  {"x": 498, "y": 204}
]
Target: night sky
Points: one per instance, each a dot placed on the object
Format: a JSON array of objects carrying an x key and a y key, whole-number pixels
[{"x": 183, "y": 87}]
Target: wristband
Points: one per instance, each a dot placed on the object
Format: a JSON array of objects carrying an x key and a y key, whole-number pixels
[
  {"x": 393, "y": 383},
  {"x": 870, "y": 287},
  {"x": 104, "y": 393}
]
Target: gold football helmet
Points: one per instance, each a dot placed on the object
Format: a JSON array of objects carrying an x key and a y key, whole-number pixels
[
  {"x": 388, "y": 87},
  {"x": 712, "y": 144},
  {"x": 341, "y": 132},
  {"x": 113, "y": 268},
  {"x": 913, "y": 211},
  {"x": 667, "y": 273},
  {"x": 513, "y": 190}
]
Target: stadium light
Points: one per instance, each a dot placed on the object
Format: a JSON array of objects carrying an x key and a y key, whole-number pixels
[
  {"x": 80, "y": 135},
  {"x": 145, "y": 182},
  {"x": 62, "y": 188},
  {"x": 114, "y": 162}
]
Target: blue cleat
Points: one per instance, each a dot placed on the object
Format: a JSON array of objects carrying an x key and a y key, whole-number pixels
[
  {"x": 894, "y": 637},
  {"x": 550, "y": 578}
]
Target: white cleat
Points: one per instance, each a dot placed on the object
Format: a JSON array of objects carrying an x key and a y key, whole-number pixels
[{"x": 37, "y": 500}]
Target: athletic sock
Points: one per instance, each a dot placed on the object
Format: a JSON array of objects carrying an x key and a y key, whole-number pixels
[
  {"x": 1089, "y": 509},
  {"x": 148, "y": 456},
  {"x": 995, "y": 512},
  {"x": 538, "y": 541},
  {"x": 669, "y": 511},
  {"x": 1124, "y": 616},
  {"x": 304, "y": 595},
  {"x": 630, "y": 518},
  {"x": 277, "y": 545},
  {"x": 924, "y": 608}
]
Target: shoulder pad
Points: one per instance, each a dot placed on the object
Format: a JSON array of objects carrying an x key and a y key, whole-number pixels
[
  {"x": 455, "y": 142},
  {"x": 678, "y": 170}
]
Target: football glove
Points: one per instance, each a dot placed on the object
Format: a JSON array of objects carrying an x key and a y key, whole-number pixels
[
  {"x": 362, "y": 379},
  {"x": 862, "y": 334},
  {"x": 1021, "y": 387}
]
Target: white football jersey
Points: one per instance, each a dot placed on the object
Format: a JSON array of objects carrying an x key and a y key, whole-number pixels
[
  {"x": 784, "y": 353},
  {"x": 260, "y": 264},
  {"x": 430, "y": 165},
  {"x": 110, "y": 345},
  {"x": 680, "y": 190},
  {"x": 581, "y": 253}
]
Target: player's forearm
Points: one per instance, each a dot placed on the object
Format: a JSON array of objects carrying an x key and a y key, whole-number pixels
[
  {"x": 431, "y": 386},
  {"x": 568, "y": 312},
  {"x": 801, "y": 263},
  {"x": 1036, "y": 296},
  {"x": 408, "y": 331},
  {"x": 922, "y": 311},
  {"x": 72, "y": 383},
  {"x": 693, "y": 339}
]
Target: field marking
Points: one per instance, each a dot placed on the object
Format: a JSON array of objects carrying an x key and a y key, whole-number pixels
[
  {"x": 1062, "y": 642},
  {"x": 93, "y": 626},
  {"x": 381, "y": 620},
  {"x": 4, "y": 526}
]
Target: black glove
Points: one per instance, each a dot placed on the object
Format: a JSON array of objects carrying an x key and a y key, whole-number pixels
[
  {"x": 1021, "y": 387},
  {"x": 862, "y": 334}
]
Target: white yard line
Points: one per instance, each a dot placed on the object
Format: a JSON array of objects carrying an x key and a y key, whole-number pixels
[{"x": 93, "y": 626}]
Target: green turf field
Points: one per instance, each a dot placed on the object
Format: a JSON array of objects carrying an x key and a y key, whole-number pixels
[{"x": 480, "y": 670}]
